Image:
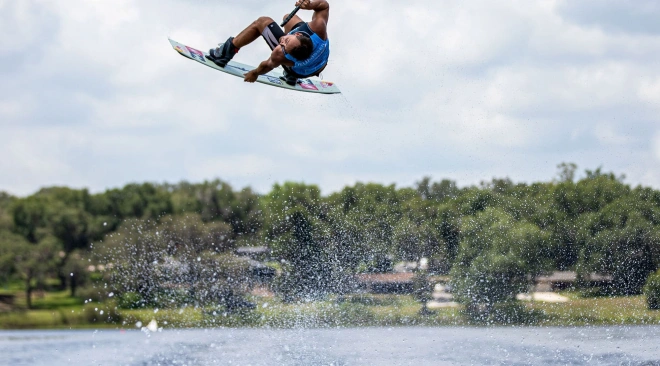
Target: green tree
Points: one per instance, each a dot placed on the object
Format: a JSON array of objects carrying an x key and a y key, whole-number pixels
[
  {"x": 371, "y": 212},
  {"x": 167, "y": 262},
  {"x": 217, "y": 201},
  {"x": 294, "y": 230},
  {"x": 475, "y": 200},
  {"x": 306, "y": 275},
  {"x": 10, "y": 244},
  {"x": 415, "y": 241},
  {"x": 566, "y": 172},
  {"x": 422, "y": 289},
  {"x": 437, "y": 191},
  {"x": 219, "y": 278},
  {"x": 76, "y": 271},
  {"x": 59, "y": 212},
  {"x": 620, "y": 240},
  {"x": 652, "y": 291},
  {"x": 6, "y": 222},
  {"x": 30, "y": 217},
  {"x": 138, "y": 201},
  {"x": 131, "y": 254},
  {"x": 590, "y": 194},
  {"x": 36, "y": 262},
  {"x": 496, "y": 260}
]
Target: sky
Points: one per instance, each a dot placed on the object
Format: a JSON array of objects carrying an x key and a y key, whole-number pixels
[{"x": 93, "y": 96}]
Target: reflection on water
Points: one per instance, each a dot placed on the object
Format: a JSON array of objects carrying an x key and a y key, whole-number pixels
[{"x": 365, "y": 346}]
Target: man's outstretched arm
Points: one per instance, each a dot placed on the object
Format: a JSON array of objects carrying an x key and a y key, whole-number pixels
[{"x": 276, "y": 59}]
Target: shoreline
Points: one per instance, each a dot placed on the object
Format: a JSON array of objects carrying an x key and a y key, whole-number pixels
[{"x": 356, "y": 312}]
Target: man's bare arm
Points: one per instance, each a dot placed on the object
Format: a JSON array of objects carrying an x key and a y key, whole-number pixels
[
  {"x": 263, "y": 68},
  {"x": 276, "y": 59},
  {"x": 321, "y": 10}
]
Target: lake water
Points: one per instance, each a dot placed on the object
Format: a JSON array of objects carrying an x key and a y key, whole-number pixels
[{"x": 363, "y": 346}]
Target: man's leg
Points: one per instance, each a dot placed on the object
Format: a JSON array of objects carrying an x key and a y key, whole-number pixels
[
  {"x": 252, "y": 32},
  {"x": 292, "y": 23},
  {"x": 226, "y": 51}
]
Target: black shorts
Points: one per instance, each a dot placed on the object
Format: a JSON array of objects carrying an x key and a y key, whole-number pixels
[{"x": 272, "y": 33}]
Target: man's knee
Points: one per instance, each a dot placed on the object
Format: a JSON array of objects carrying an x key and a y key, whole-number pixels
[
  {"x": 264, "y": 20},
  {"x": 285, "y": 16}
]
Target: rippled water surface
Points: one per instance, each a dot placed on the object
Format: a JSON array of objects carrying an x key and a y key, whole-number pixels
[{"x": 365, "y": 346}]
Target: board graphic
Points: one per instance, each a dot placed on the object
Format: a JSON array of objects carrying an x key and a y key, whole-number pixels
[{"x": 309, "y": 85}]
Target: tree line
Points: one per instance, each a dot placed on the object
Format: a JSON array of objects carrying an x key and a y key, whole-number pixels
[{"x": 490, "y": 238}]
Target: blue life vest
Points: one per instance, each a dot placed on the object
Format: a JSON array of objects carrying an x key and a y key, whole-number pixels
[{"x": 318, "y": 58}]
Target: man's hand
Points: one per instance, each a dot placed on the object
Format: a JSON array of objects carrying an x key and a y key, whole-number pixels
[
  {"x": 305, "y": 4},
  {"x": 275, "y": 60},
  {"x": 320, "y": 18},
  {"x": 251, "y": 76}
]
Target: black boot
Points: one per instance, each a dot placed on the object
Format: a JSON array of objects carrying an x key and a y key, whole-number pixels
[
  {"x": 289, "y": 78},
  {"x": 223, "y": 53}
]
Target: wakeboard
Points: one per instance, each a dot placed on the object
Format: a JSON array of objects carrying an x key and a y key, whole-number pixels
[{"x": 310, "y": 85}]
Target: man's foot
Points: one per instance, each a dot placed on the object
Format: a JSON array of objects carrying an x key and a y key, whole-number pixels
[
  {"x": 289, "y": 79},
  {"x": 223, "y": 53}
]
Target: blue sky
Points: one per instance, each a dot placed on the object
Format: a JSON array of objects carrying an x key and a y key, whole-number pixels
[{"x": 93, "y": 96}]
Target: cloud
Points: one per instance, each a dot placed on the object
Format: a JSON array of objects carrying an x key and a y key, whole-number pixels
[
  {"x": 607, "y": 135},
  {"x": 649, "y": 91},
  {"x": 462, "y": 89},
  {"x": 656, "y": 145},
  {"x": 614, "y": 15}
]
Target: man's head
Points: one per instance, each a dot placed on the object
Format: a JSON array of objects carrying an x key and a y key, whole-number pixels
[{"x": 298, "y": 45}]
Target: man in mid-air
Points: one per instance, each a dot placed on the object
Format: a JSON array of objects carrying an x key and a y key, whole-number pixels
[{"x": 302, "y": 49}]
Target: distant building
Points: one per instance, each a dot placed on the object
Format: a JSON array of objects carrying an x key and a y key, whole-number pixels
[
  {"x": 560, "y": 280},
  {"x": 260, "y": 271},
  {"x": 261, "y": 253},
  {"x": 405, "y": 267},
  {"x": 6, "y": 302},
  {"x": 386, "y": 283}
]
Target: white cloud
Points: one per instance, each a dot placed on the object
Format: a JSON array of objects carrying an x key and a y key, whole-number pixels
[
  {"x": 21, "y": 22},
  {"x": 239, "y": 166},
  {"x": 463, "y": 89},
  {"x": 608, "y": 135},
  {"x": 14, "y": 108},
  {"x": 107, "y": 16},
  {"x": 649, "y": 91},
  {"x": 34, "y": 155},
  {"x": 656, "y": 146}
]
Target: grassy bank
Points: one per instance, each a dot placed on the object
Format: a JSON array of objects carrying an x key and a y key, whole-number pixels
[
  {"x": 58, "y": 311},
  {"x": 50, "y": 310},
  {"x": 373, "y": 310},
  {"x": 629, "y": 310}
]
